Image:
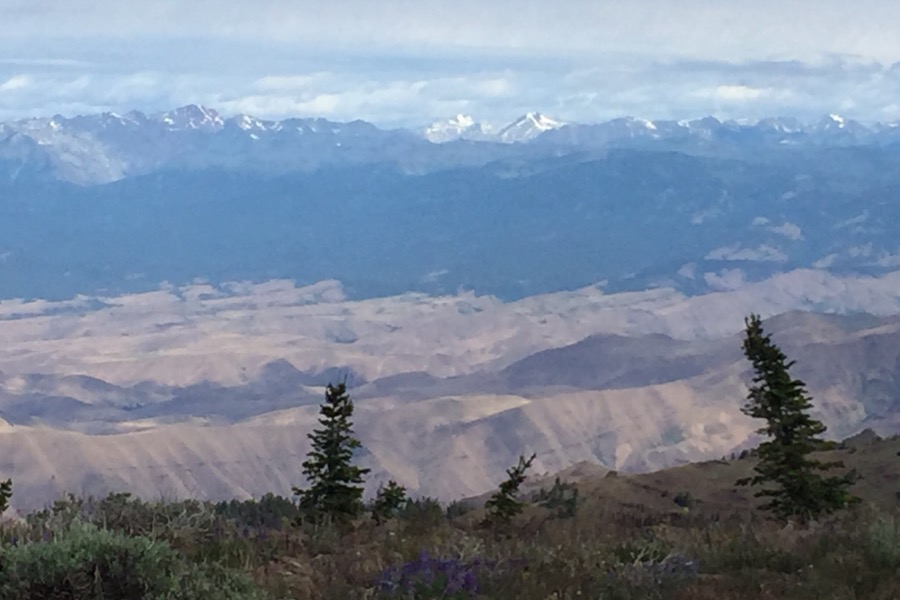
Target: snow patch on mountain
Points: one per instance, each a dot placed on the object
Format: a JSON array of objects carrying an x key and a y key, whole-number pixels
[
  {"x": 193, "y": 117},
  {"x": 250, "y": 123},
  {"x": 460, "y": 127}
]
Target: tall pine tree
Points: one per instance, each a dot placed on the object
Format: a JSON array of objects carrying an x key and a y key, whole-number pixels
[
  {"x": 334, "y": 484},
  {"x": 792, "y": 480}
]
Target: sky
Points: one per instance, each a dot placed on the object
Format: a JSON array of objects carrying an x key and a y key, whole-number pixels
[{"x": 411, "y": 62}]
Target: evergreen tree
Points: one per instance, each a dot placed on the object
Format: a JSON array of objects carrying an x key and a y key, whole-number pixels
[
  {"x": 795, "y": 484},
  {"x": 334, "y": 483},
  {"x": 5, "y": 494},
  {"x": 504, "y": 504},
  {"x": 388, "y": 501}
]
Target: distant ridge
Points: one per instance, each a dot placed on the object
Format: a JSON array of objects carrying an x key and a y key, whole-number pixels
[{"x": 100, "y": 148}]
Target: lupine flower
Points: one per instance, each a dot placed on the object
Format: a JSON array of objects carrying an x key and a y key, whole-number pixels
[{"x": 431, "y": 577}]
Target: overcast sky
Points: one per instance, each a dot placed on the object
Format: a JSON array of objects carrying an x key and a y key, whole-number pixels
[{"x": 409, "y": 62}]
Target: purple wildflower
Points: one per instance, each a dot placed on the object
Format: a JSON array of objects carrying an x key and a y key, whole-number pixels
[{"x": 431, "y": 577}]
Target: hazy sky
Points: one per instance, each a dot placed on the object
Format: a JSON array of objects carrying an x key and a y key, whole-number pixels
[{"x": 409, "y": 62}]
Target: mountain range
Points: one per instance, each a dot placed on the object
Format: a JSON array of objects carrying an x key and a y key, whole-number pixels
[
  {"x": 101, "y": 148},
  {"x": 113, "y": 204}
]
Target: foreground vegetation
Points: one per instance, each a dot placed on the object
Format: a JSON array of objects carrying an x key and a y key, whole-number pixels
[{"x": 678, "y": 533}]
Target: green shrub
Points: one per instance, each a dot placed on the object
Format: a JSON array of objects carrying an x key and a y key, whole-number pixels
[
  {"x": 647, "y": 549},
  {"x": 684, "y": 500},
  {"x": 270, "y": 511},
  {"x": 459, "y": 508},
  {"x": 87, "y": 563},
  {"x": 421, "y": 514},
  {"x": 211, "y": 581},
  {"x": 883, "y": 542},
  {"x": 131, "y": 516}
]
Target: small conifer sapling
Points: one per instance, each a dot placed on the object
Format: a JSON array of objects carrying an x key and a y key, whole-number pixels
[
  {"x": 388, "y": 501},
  {"x": 5, "y": 494},
  {"x": 504, "y": 504}
]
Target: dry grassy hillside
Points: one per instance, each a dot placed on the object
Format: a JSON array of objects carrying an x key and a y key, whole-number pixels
[
  {"x": 211, "y": 395},
  {"x": 711, "y": 483}
]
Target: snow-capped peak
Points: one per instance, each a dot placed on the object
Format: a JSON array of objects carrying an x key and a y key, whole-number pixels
[
  {"x": 528, "y": 126},
  {"x": 542, "y": 122}
]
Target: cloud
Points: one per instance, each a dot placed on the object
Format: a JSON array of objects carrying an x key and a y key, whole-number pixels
[
  {"x": 888, "y": 260},
  {"x": 735, "y": 30},
  {"x": 860, "y": 251},
  {"x": 429, "y": 89},
  {"x": 347, "y": 96},
  {"x": 763, "y": 253},
  {"x": 58, "y": 63},
  {"x": 724, "y": 280},
  {"x": 400, "y": 62},
  {"x": 688, "y": 270},
  {"x": 16, "y": 82},
  {"x": 289, "y": 83},
  {"x": 733, "y": 93},
  {"x": 789, "y": 230},
  {"x": 826, "y": 261},
  {"x": 739, "y": 93}
]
